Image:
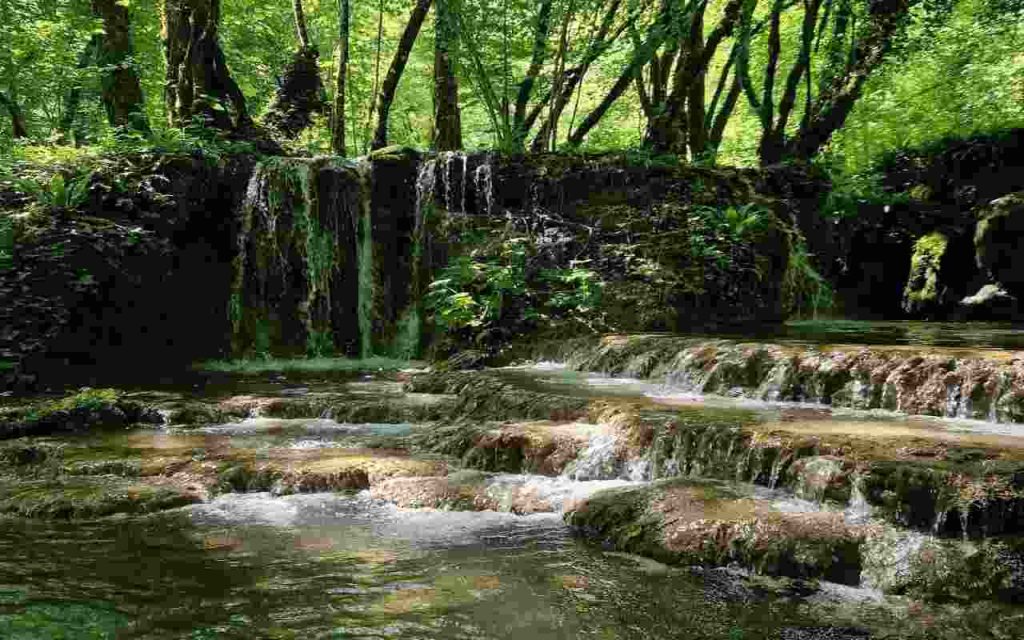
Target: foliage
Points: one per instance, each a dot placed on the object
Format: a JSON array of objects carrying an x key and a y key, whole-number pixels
[
  {"x": 6, "y": 242},
  {"x": 60, "y": 192},
  {"x": 498, "y": 286},
  {"x": 719, "y": 227},
  {"x": 805, "y": 291}
]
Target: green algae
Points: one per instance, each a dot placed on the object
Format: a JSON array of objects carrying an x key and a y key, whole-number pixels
[
  {"x": 697, "y": 521},
  {"x": 85, "y": 498},
  {"x": 63, "y": 621}
]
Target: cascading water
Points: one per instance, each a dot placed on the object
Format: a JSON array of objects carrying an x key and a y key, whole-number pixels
[
  {"x": 296, "y": 258},
  {"x": 483, "y": 178}
]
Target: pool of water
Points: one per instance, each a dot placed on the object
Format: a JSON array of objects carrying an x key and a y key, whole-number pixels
[
  {"x": 326, "y": 566},
  {"x": 913, "y": 333}
]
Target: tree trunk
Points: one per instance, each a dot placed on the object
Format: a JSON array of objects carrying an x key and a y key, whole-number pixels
[
  {"x": 573, "y": 77},
  {"x": 68, "y": 129},
  {"x": 300, "y": 91},
  {"x": 540, "y": 40},
  {"x": 390, "y": 86},
  {"x": 121, "y": 89},
  {"x": 199, "y": 85},
  {"x": 641, "y": 56},
  {"x": 447, "y": 116},
  {"x": 833, "y": 106},
  {"x": 18, "y": 127},
  {"x": 300, "y": 24},
  {"x": 338, "y": 112}
]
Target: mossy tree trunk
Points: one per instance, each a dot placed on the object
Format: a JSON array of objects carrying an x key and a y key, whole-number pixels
[
  {"x": 390, "y": 86},
  {"x": 121, "y": 89},
  {"x": 19, "y": 129},
  {"x": 540, "y": 39},
  {"x": 199, "y": 85},
  {"x": 447, "y": 115},
  {"x": 69, "y": 128},
  {"x": 341, "y": 79}
]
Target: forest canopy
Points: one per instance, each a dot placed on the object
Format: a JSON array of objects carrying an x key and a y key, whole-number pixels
[{"x": 741, "y": 82}]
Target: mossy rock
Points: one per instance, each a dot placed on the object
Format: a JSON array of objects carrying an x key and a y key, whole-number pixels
[
  {"x": 999, "y": 241},
  {"x": 710, "y": 523},
  {"x": 945, "y": 570},
  {"x": 86, "y": 498},
  {"x": 924, "y": 290},
  {"x": 86, "y": 410}
]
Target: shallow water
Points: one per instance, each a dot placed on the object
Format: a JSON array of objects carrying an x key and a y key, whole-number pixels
[
  {"x": 321, "y": 565},
  {"x": 935, "y": 334},
  {"x": 325, "y": 566}
]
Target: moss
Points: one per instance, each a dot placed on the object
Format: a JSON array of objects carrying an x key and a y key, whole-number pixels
[
  {"x": 83, "y": 498},
  {"x": 705, "y": 522},
  {"x": 923, "y": 286}
]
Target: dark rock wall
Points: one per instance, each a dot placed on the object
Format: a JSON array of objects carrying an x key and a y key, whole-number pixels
[
  {"x": 129, "y": 286},
  {"x": 196, "y": 259}
]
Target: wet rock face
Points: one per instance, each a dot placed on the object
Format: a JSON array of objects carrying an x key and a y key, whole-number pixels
[
  {"x": 999, "y": 240},
  {"x": 703, "y": 522},
  {"x": 143, "y": 262},
  {"x": 984, "y": 386}
]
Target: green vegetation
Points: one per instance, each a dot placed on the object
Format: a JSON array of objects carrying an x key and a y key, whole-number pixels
[
  {"x": 495, "y": 285},
  {"x": 307, "y": 365},
  {"x": 847, "y": 80}
]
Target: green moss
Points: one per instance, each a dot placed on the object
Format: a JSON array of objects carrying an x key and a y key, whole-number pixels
[
  {"x": 85, "y": 498},
  {"x": 84, "y": 400},
  {"x": 925, "y": 265},
  {"x": 63, "y": 620}
]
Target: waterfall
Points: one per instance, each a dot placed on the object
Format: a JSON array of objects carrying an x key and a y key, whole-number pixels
[
  {"x": 364, "y": 252},
  {"x": 483, "y": 179},
  {"x": 295, "y": 259}
]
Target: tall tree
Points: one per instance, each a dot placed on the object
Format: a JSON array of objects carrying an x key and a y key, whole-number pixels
[
  {"x": 18, "y": 127},
  {"x": 447, "y": 114},
  {"x": 121, "y": 89},
  {"x": 199, "y": 85},
  {"x": 673, "y": 92},
  {"x": 300, "y": 91},
  {"x": 70, "y": 128},
  {"x": 830, "y": 109},
  {"x": 341, "y": 78},
  {"x": 390, "y": 86},
  {"x": 540, "y": 41}
]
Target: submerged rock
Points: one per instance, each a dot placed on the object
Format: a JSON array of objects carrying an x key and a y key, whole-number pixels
[
  {"x": 87, "y": 498},
  {"x": 705, "y": 522}
]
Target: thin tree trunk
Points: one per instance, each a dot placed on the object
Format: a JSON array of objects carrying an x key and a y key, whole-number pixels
[
  {"x": 18, "y": 127},
  {"x": 199, "y": 85},
  {"x": 390, "y": 86},
  {"x": 697, "y": 136},
  {"x": 834, "y": 104},
  {"x": 338, "y": 112},
  {"x": 540, "y": 40},
  {"x": 300, "y": 24},
  {"x": 68, "y": 119},
  {"x": 573, "y": 77},
  {"x": 447, "y": 116},
  {"x": 121, "y": 89},
  {"x": 641, "y": 56}
]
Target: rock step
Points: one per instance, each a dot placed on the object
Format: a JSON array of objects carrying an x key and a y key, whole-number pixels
[{"x": 982, "y": 384}]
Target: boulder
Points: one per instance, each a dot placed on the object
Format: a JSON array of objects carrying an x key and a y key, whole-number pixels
[
  {"x": 924, "y": 290},
  {"x": 991, "y": 302},
  {"x": 999, "y": 241}
]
